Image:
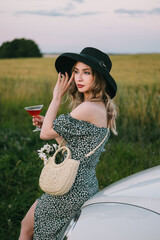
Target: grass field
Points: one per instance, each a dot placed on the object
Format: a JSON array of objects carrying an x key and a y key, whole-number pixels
[{"x": 25, "y": 82}]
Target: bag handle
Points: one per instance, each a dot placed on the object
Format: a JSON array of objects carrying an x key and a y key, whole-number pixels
[
  {"x": 64, "y": 148},
  {"x": 86, "y": 155},
  {"x": 91, "y": 152},
  {"x": 60, "y": 145}
]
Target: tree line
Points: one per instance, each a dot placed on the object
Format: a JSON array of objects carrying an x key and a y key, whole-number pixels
[{"x": 19, "y": 48}]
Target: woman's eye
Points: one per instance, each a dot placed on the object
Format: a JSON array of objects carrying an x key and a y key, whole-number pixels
[
  {"x": 87, "y": 73},
  {"x": 75, "y": 71}
]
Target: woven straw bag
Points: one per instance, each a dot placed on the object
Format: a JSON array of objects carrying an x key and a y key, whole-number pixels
[{"x": 57, "y": 179}]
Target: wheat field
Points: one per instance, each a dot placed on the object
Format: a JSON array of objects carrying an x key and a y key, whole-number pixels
[
  {"x": 25, "y": 82},
  {"x": 31, "y": 81}
]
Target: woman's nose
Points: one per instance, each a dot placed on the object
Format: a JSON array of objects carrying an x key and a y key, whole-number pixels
[{"x": 80, "y": 76}]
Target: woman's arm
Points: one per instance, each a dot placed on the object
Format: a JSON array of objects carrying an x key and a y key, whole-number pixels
[
  {"x": 62, "y": 85},
  {"x": 47, "y": 131}
]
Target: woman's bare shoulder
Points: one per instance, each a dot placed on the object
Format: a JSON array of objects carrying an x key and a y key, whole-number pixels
[
  {"x": 82, "y": 111},
  {"x": 91, "y": 112}
]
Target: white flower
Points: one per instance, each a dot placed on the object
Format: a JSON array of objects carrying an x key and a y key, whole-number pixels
[
  {"x": 46, "y": 148},
  {"x": 42, "y": 155},
  {"x": 45, "y": 161},
  {"x": 46, "y": 151},
  {"x": 55, "y": 146}
]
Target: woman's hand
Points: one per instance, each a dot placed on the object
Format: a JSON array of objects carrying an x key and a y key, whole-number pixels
[
  {"x": 62, "y": 85},
  {"x": 38, "y": 121}
]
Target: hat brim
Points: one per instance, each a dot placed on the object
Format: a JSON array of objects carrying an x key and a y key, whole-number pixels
[{"x": 65, "y": 62}]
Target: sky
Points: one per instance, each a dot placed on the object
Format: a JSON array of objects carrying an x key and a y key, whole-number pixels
[{"x": 115, "y": 26}]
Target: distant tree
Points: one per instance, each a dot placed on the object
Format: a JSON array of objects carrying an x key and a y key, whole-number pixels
[{"x": 19, "y": 48}]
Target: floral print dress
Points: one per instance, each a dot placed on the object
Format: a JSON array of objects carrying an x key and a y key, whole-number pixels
[{"x": 53, "y": 212}]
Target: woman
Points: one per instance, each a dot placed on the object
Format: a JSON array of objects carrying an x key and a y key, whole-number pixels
[{"x": 86, "y": 76}]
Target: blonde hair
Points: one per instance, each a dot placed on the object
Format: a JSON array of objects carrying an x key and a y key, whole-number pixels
[{"x": 98, "y": 94}]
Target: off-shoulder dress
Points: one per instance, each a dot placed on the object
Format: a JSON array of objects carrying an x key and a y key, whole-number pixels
[{"x": 53, "y": 212}]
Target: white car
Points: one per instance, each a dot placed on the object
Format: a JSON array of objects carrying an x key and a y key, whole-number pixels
[{"x": 126, "y": 210}]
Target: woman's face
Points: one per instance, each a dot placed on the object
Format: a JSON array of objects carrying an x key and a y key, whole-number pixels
[{"x": 83, "y": 77}]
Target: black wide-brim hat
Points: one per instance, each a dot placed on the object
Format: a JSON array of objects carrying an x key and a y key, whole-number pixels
[{"x": 92, "y": 57}]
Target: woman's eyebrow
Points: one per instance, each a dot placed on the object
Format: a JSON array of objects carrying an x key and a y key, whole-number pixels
[{"x": 83, "y": 69}]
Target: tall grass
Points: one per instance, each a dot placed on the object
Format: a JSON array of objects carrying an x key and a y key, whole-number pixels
[{"x": 25, "y": 82}]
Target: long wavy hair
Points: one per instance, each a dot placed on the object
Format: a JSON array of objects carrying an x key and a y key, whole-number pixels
[{"x": 98, "y": 94}]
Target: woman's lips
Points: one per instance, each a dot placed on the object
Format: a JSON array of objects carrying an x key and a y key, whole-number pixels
[{"x": 80, "y": 85}]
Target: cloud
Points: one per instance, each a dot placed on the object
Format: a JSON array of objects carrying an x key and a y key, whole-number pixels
[
  {"x": 69, "y": 7},
  {"x": 129, "y": 12},
  {"x": 79, "y": 1},
  {"x": 41, "y": 12},
  {"x": 55, "y": 13},
  {"x": 135, "y": 12},
  {"x": 84, "y": 14},
  {"x": 68, "y": 10},
  {"x": 155, "y": 11}
]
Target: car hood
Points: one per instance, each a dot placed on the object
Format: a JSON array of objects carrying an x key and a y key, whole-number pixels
[{"x": 141, "y": 189}]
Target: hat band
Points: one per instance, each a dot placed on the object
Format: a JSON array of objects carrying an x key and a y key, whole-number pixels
[{"x": 99, "y": 62}]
